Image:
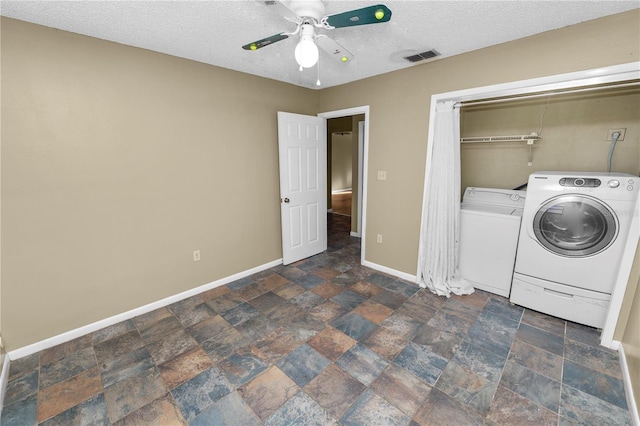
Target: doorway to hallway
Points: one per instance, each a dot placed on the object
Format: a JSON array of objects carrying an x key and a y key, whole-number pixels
[
  {"x": 361, "y": 117},
  {"x": 345, "y": 146}
]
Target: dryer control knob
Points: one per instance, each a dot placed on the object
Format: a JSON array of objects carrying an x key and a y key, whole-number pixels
[
  {"x": 613, "y": 183},
  {"x": 514, "y": 197}
]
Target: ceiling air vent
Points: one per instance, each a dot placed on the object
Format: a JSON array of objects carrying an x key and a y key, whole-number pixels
[{"x": 422, "y": 56}]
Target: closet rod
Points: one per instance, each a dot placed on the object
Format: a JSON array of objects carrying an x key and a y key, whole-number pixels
[{"x": 541, "y": 95}]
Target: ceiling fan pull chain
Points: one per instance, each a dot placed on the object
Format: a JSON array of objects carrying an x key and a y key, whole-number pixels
[{"x": 318, "y": 80}]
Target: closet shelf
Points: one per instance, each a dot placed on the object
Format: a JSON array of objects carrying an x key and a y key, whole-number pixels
[{"x": 530, "y": 138}]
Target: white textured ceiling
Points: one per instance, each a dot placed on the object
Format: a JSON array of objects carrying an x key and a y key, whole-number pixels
[{"x": 214, "y": 31}]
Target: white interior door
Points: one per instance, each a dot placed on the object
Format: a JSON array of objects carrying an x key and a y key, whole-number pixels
[{"x": 302, "y": 145}]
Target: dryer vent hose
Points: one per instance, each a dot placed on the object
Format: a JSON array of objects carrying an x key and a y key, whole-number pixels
[{"x": 614, "y": 139}]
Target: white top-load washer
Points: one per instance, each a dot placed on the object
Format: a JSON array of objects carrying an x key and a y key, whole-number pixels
[
  {"x": 489, "y": 227},
  {"x": 573, "y": 234}
]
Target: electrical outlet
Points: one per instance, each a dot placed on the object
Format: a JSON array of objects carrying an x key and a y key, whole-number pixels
[
  {"x": 382, "y": 175},
  {"x": 196, "y": 255},
  {"x": 612, "y": 131},
  {"x": 379, "y": 238}
]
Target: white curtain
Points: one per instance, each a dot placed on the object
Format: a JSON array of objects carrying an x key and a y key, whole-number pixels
[{"x": 439, "y": 250}]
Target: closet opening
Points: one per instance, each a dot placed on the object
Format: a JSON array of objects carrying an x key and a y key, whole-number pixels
[{"x": 591, "y": 80}]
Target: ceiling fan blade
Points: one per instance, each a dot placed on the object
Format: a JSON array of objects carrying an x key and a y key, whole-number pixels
[
  {"x": 280, "y": 8},
  {"x": 265, "y": 42},
  {"x": 333, "y": 48},
  {"x": 366, "y": 15}
]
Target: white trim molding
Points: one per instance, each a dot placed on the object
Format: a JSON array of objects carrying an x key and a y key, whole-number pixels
[
  {"x": 628, "y": 387},
  {"x": 90, "y": 328},
  {"x": 389, "y": 271},
  {"x": 98, "y": 325}
]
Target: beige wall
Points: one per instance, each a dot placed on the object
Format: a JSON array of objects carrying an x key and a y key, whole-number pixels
[
  {"x": 118, "y": 163},
  {"x": 399, "y": 115},
  {"x": 574, "y": 131},
  {"x": 2, "y": 349}
]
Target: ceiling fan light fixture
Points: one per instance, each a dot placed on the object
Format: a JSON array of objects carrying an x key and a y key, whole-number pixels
[{"x": 306, "y": 52}]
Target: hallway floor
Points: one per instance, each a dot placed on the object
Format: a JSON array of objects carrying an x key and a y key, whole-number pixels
[
  {"x": 324, "y": 341},
  {"x": 341, "y": 203}
]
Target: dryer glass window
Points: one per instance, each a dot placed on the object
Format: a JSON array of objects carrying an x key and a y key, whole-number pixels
[{"x": 575, "y": 226}]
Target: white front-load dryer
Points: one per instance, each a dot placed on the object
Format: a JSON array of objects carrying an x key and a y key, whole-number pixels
[{"x": 572, "y": 237}]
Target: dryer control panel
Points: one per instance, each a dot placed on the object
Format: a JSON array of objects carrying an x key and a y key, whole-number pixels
[
  {"x": 608, "y": 186},
  {"x": 630, "y": 184},
  {"x": 580, "y": 182}
]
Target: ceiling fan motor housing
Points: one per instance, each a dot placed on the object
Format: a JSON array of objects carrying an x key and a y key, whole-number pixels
[{"x": 308, "y": 9}]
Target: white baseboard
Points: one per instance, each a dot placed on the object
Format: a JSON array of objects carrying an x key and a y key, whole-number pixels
[
  {"x": 81, "y": 331},
  {"x": 355, "y": 234},
  {"x": 628, "y": 388},
  {"x": 399, "y": 274}
]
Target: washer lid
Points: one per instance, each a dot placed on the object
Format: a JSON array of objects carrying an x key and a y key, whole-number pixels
[
  {"x": 494, "y": 197},
  {"x": 491, "y": 210}
]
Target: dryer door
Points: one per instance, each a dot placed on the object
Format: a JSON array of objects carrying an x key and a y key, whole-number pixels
[{"x": 575, "y": 225}]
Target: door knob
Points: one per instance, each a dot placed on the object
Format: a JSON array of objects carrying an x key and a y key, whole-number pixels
[{"x": 286, "y": 200}]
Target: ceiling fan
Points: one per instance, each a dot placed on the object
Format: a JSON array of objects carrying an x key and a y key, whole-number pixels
[{"x": 309, "y": 15}]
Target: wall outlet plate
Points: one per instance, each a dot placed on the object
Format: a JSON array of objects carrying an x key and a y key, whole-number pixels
[{"x": 612, "y": 131}]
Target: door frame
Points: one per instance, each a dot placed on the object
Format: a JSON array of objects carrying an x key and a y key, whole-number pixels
[
  {"x": 362, "y": 213},
  {"x": 358, "y": 231}
]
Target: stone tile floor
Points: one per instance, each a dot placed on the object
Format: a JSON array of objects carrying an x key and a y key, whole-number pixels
[{"x": 324, "y": 341}]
